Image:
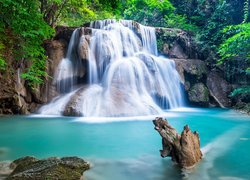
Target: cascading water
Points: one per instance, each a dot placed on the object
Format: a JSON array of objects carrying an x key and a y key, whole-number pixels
[
  {"x": 126, "y": 77},
  {"x": 18, "y": 87}
]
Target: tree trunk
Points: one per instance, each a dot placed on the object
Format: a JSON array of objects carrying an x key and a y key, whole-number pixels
[{"x": 184, "y": 149}]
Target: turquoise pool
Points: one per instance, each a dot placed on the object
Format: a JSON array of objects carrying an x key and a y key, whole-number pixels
[{"x": 128, "y": 148}]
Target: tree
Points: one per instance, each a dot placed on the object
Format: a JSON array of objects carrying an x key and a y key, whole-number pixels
[
  {"x": 22, "y": 31},
  {"x": 148, "y": 12},
  {"x": 235, "y": 51}
]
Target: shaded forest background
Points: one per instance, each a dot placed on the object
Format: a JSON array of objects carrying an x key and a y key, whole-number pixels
[{"x": 220, "y": 28}]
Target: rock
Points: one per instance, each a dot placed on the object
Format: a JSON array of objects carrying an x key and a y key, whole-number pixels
[
  {"x": 242, "y": 107},
  {"x": 84, "y": 47},
  {"x": 51, "y": 168},
  {"x": 193, "y": 74},
  {"x": 176, "y": 43},
  {"x": 199, "y": 95},
  {"x": 5, "y": 169},
  {"x": 184, "y": 149},
  {"x": 20, "y": 164},
  {"x": 177, "y": 52},
  {"x": 56, "y": 51},
  {"x": 63, "y": 32},
  {"x": 74, "y": 106},
  {"x": 219, "y": 89},
  {"x": 190, "y": 70}
]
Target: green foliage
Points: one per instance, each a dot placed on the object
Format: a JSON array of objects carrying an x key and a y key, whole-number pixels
[
  {"x": 211, "y": 32},
  {"x": 237, "y": 42},
  {"x": 160, "y": 43},
  {"x": 29, "y": 31},
  {"x": 240, "y": 91},
  {"x": 231, "y": 45},
  {"x": 2, "y": 64},
  {"x": 2, "y": 61},
  {"x": 148, "y": 12},
  {"x": 85, "y": 15},
  {"x": 246, "y": 13},
  {"x": 236, "y": 47},
  {"x": 78, "y": 12},
  {"x": 181, "y": 22}
]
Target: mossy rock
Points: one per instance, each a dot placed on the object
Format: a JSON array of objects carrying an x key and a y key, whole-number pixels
[
  {"x": 30, "y": 168},
  {"x": 199, "y": 95},
  {"x": 243, "y": 107}
]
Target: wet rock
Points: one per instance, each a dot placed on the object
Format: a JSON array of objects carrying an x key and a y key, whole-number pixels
[
  {"x": 184, "y": 149},
  {"x": 74, "y": 107},
  {"x": 5, "y": 169},
  {"x": 13, "y": 105},
  {"x": 193, "y": 74},
  {"x": 219, "y": 89},
  {"x": 56, "y": 51},
  {"x": 199, "y": 95},
  {"x": 177, "y": 52},
  {"x": 40, "y": 94},
  {"x": 191, "y": 70},
  {"x": 242, "y": 107},
  {"x": 176, "y": 43},
  {"x": 51, "y": 168},
  {"x": 63, "y": 32},
  {"x": 84, "y": 47}
]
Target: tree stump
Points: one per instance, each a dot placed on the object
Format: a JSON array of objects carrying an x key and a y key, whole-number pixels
[{"x": 184, "y": 149}]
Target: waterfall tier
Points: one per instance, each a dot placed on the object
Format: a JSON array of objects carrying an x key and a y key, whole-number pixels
[{"x": 112, "y": 68}]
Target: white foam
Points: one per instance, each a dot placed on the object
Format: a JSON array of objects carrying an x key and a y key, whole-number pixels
[
  {"x": 187, "y": 109},
  {"x": 122, "y": 119}
]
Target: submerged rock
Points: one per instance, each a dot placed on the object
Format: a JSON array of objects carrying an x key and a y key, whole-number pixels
[
  {"x": 51, "y": 168},
  {"x": 184, "y": 149}
]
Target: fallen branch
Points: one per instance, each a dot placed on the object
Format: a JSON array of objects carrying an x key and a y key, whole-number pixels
[{"x": 184, "y": 149}]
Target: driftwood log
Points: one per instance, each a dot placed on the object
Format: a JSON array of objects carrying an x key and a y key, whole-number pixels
[{"x": 184, "y": 149}]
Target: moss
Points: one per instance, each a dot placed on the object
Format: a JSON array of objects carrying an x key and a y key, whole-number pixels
[
  {"x": 69, "y": 168},
  {"x": 160, "y": 44},
  {"x": 199, "y": 93}
]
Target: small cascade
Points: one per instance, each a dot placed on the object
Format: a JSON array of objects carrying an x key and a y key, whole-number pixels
[
  {"x": 18, "y": 87},
  {"x": 149, "y": 39},
  {"x": 126, "y": 77},
  {"x": 70, "y": 67}
]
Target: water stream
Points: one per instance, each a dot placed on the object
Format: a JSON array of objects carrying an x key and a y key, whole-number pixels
[{"x": 18, "y": 86}]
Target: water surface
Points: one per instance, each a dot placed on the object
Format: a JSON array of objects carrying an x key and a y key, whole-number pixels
[{"x": 128, "y": 148}]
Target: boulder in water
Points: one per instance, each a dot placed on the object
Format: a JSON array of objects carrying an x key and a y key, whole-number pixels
[
  {"x": 184, "y": 149},
  {"x": 51, "y": 168}
]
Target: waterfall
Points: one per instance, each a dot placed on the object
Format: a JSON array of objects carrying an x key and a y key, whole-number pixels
[
  {"x": 126, "y": 77},
  {"x": 18, "y": 85}
]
